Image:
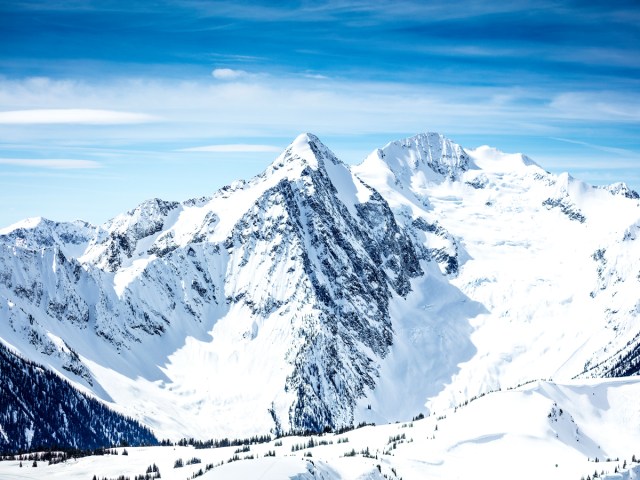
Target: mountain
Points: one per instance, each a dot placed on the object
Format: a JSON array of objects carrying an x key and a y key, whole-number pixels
[
  {"x": 552, "y": 260},
  {"x": 318, "y": 295},
  {"x": 38, "y": 409}
]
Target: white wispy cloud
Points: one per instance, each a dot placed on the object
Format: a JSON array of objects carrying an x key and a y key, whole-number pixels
[
  {"x": 596, "y": 105},
  {"x": 380, "y": 12},
  {"x": 603, "y": 148},
  {"x": 228, "y": 74},
  {"x": 73, "y": 116},
  {"x": 315, "y": 76},
  {"x": 234, "y": 148},
  {"x": 262, "y": 106},
  {"x": 572, "y": 163},
  {"x": 57, "y": 163}
]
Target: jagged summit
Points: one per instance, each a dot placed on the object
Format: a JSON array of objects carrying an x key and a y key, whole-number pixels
[
  {"x": 621, "y": 188},
  {"x": 40, "y": 223},
  {"x": 305, "y": 151},
  {"x": 429, "y": 155},
  {"x": 309, "y": 147},
  {"x": 144, "y": 220},
  {"x": 38, "y": 232}
]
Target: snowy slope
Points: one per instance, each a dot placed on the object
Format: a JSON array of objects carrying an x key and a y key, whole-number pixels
[
  {"x": 533, "y": 250},
  {"x": 541, "y": 430},
  {"x": 316, "y": 295}
]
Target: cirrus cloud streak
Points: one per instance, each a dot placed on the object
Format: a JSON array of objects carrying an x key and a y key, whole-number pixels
[
  {"x": 234, "y": 148},
  {"x": 73, "y": 116},
  {"x": 57, "y": 163}
]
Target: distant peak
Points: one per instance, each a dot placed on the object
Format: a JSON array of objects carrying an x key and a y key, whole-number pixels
[
  {"x": 622, "y": 189},
  {"x": 431, "y": 150},
  {"x": 434, "y": 136},
  {"x": 422, "y": 140},
  {"x": 154, "y": 205},
  {"x": 491, "y": 159},
  {"x": 305, "y": 151},
  {"x": 27, "y": 223}
]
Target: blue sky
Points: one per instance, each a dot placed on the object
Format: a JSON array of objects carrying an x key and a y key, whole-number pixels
[{"x": 106, "y": 103}]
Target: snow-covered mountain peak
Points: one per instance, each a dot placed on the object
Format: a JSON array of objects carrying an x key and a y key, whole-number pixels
[
  {"x": 566, "y": 185},
  {"x": 152, "y": 206},
  {"x": 428, "y": 155},
  {"x": 143, "y": 219},
  {"x": 44, "y": 224},
  {"x": 564, "y": 182},
  {"x": 117, "y": 240},
  {"x": 491, "y": 159},
  {"x": 305, "y": 151},
  {"x": 622, "y": 189},
  {"x": 307, "y": 146},
  {"x": 27, "y": 223},
  {"x": 307, "y": 156},
  {"x": 37, "y": 232}
]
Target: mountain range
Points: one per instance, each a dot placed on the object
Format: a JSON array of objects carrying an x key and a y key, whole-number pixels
[{"x": 318, "y": 295}]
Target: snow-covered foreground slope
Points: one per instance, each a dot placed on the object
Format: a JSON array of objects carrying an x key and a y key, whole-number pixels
[
  {"x": 317, "y": 295},
  {"x": 541, "y": 430}
]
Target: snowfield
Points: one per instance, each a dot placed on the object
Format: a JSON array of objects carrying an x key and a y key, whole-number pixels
[{"x": 540, "y": 430}]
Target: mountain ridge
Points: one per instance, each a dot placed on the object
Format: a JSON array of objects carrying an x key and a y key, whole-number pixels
[{"x": 327, "y": 289}]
